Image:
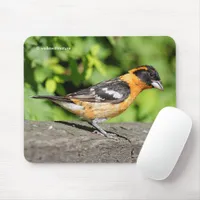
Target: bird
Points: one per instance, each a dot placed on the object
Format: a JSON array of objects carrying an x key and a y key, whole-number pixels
[{"x": 110, "y": 98}]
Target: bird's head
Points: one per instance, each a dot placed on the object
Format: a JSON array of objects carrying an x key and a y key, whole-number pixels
[{"x": 148, "y": 75}]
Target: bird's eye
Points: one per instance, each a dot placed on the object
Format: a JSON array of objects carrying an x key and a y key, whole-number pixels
[{"x": 151, "y": 74}]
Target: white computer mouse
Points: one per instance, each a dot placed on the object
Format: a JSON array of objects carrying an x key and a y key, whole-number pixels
[{"x": 164, "y": 143}]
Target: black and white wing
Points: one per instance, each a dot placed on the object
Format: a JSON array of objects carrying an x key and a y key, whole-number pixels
[{"x": 113, "y": 91}]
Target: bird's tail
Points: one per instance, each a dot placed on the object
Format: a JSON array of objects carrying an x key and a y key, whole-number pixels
[
  {"x": 53, "y": 98},
  {"x": 63, "y": 101}
]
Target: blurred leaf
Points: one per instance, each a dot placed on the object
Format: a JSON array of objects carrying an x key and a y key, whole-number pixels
[
  {"x": 90, "y": 60},
  {"x": 97, "y": 77},
  {"x": 61, "y": 55},
  {"x": 93, "y": 61},
  {"x": 51, "y": 85},
  {"x": 77, "y": 48},
  {"x": 111, "y": 40},
  {"x": 60, "y": 90},
  {"x": 59, "y": 79},
  {"x": 104, "y": 53},
  {"x": 75, "y": 76},
  {"x": 147, "y": 101},
  {"x": 33, "y": 107},
  {"x": 100, "y": 67},
  {"x": 41, "y": 73},
  {"x": 88, "y": 73},
  {"x": 57, "y": 69},
  {"x": 38, "y": 55},
  {"x": 95, "y": 49},
  {"x": 51, "y": 61}
]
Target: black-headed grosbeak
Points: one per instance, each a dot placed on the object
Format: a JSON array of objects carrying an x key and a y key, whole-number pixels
[{"x": 109, "y": 98}]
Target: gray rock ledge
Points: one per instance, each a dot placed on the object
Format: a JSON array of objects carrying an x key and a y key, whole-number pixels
[{"x": 75, "y": 142}]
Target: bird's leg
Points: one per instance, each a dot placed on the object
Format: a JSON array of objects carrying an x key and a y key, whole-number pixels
[{"x": 94, "y": 123}]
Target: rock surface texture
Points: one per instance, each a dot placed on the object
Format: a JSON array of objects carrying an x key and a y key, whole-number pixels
[{"x": 76, "y": 142}]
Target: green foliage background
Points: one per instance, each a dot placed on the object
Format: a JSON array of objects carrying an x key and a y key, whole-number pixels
[{"x": 89, "y": 60}]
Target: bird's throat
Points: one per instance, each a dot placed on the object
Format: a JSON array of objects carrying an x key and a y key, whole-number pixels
[{"x": 135, "y": 84}]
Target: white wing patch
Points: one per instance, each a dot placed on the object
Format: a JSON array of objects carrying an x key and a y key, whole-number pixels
[
  {"x": 115, "y": 94},
  {"x": 99, "y": 98}
]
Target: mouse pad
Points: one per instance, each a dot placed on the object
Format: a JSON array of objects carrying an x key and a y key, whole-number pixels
[{"x": 94, "y": 99}]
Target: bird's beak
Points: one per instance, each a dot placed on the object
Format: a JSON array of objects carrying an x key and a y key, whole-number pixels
[{"x": 157, "y": 84}]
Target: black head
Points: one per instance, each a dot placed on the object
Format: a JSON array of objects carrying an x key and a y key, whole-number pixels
[{"x": 148, "y": 75}]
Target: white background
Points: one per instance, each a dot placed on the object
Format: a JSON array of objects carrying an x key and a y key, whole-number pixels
[{"x": 20, "y": 19}]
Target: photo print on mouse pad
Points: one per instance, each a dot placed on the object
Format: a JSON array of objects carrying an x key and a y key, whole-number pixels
[{"x": 93, "y": 99}]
